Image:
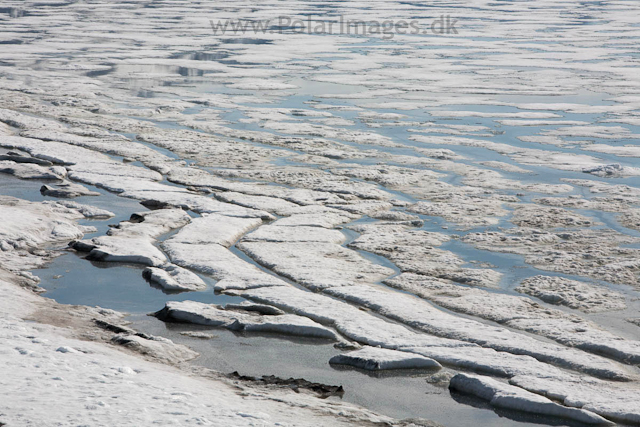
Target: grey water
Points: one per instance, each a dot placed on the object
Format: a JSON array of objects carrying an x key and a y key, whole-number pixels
[{"x": 401, "y": 395}]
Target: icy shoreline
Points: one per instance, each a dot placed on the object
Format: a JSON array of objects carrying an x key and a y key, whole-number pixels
[{"x": 57, "y": 370}]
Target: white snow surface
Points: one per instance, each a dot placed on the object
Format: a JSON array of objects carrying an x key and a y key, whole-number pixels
[
  {"x": 316, "y": 265},
  {"x": 173, "y": 278},
  {"x": 50, "y": 378},
  {"x": 375, "y": 359},
  {"x": 133, "y": 241},
  {"x": 219, "y": 262},
  {"x": 215, "y": 228},
  {"x": 241, "y": 320},
  {"x": 506, "y": 396}
]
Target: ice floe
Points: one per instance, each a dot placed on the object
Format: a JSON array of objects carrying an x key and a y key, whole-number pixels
[
  {"x": 133, "y": 241},
  {"x": 28, "y": 226},
  {"x": 66, "y": 190},
  {"x": 572, "y": 293},
  {"x": 374, "y": 359},
  {"x": 425, "y": 317},
  {"x": 467, "y": 212},
  {"x": 32, "y": 171},
  {"x": 564, "y": 251},
  {"x": 535, "y": 216},
  {"x": 414, "y": 250},
  {"x": 219, "y": 262},
  {"x": 238, "y": 319},
  {"x": 360, "y": 326},
  {"x": 67, "y": 206},
  {"x": 174, "y": 279},
  {"x": 316, "y": 265},
  {"x": 214, "y": 228},
  {"x": 525, "y": 314},
  {"x": 505, "y": 396},
  {"x": 612, "y": 401}
]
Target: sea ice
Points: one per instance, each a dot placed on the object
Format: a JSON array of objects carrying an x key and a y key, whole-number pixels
[
  {"x": 174, "y": 278},
  {"x": 423, "y": 316},
  {"x": 240, "y": 320},
  {"x": 66, "y": 190},
  {"x": 214, "y": 228},
  {"x": 375, "y": 359},
  {"x": 316, "y": 265},
  {"x": 572, "y": 293},
  {"x": 505, "y": 396},
  {"x": 132, "y": 241},
  {"x": 219, "y": 262},
  {"x": 32, "y": 171}
]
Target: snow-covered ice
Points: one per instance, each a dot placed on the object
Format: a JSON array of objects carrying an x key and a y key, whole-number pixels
[
  {"x": 402, "y": 192},
  {"x": 133, "y": 241},
  {"x": 238, "y": 319},
  {"x": 51, "y": 375},
  {"x": 374, "y": 359},
  {"x": 571, "y": 293},
  {"x": 214, "y": 228},
  {"x": 316, "y": 265},
  {"x": 506, "y": 396},
  {"x": 174, "y": 278},
  {"x": 219, "y": 262}
]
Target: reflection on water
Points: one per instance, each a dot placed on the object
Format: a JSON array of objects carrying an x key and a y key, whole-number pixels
[
  {"x": 149, "y": 71},
  {"x": 201, "y": 56},
  {"x": 246, "y": 40},
  {"x": 70, "y": 279},
  {"x": 405, "y": 395}
]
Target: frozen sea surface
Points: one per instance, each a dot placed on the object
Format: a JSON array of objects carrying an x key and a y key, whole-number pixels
[{"x": 397, "y": 190}]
